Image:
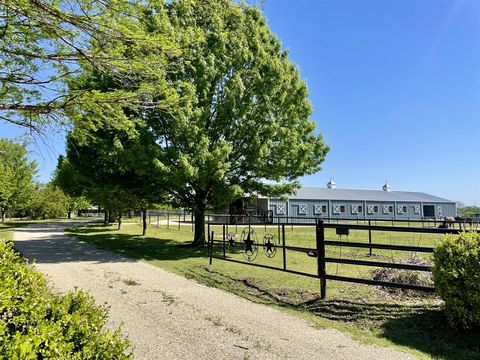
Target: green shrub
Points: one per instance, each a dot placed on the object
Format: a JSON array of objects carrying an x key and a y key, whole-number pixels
[
  {"x": 36, "y": 324},
  {"x": 457, "y": 278}
]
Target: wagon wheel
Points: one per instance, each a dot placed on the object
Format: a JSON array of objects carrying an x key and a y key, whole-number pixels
[
  {"x": 250, "y": 248},
  {"x": 270, "y": 245}
]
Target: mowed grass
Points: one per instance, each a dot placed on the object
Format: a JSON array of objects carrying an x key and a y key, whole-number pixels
[
  {"x": 414, "y": 323},
  {"x": 7, "y": 228}
]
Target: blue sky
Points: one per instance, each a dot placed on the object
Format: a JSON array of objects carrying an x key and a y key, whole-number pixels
[{"x": 395, "y": 87}]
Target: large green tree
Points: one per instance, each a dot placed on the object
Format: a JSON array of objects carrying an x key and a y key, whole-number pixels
[
  {"x": 47, "y": 202},
  {"x": 104, "y": 169},
  {"x": 16, "y": 176},
  {"x": 241, "y": 120},
  {"x": 245, "y": 125}
]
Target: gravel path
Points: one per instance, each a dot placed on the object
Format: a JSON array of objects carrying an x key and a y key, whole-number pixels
[{"x": 169, "y": 317}]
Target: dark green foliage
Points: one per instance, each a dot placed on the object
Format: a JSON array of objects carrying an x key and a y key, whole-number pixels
[
  {"x": 457, "y": 278},
  {"x": 16, "y": 176},
  {"x": 47, "y": 202},
  {"x": 36, "y": 324},
  {"x": 469, "y": 211}
]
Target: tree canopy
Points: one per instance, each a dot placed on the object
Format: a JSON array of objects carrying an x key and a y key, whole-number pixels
[
  {"x": 241, "y": 121},
  {"x": 16, "y": 176},
  {"x": 43, "y": 43}
]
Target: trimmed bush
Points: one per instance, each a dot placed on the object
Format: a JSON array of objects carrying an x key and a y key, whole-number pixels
[
  {"x": 36, "y": 324},
  {"x": 457, "y": 278}
]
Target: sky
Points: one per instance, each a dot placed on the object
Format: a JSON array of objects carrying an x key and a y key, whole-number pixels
[{"x": 395, "y": 88}]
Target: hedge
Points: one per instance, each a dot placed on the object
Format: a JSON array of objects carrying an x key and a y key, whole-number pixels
[
  {"x": 37, "y": 324},
  {"x": 457, "y": 278}
]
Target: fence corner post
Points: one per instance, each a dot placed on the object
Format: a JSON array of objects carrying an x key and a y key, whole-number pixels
[{"x": 320, "y": 237}]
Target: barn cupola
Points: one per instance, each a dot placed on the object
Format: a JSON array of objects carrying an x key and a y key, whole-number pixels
[
  {"x": 386, "y": 187},
  {"x": 331, "y": 185}
]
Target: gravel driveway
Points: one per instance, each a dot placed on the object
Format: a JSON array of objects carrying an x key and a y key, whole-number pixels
[{"x": 169, "y": 317}]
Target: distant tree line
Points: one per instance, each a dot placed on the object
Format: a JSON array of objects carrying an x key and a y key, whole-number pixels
[
  {"x": 468, "y": 211},
  {"x": 22, "y": 196}
]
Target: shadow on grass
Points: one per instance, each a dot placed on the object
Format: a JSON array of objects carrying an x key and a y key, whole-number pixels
[
  {"x": 90, "y": 229},
  {"x": 142, "y": 247},
  {"x": 8, "y": 225},
  {"x": 415, "y": 326}
]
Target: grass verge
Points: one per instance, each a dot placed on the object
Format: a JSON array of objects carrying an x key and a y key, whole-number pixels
[
  {"x": 7, "y": 228},
  {"x": 411, "y": 323}
]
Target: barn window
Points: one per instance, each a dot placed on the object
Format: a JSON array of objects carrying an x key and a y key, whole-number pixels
[
  {"x": 336, "y": 209},
  {"x": 302, "y": 209},
  {"x": 402, "y": 209},
  {"x": 280, "y": 209},
  {"x": 417, "y": 209},
  {"x": 360, "y": 208},
  {"x": 386, "y": 209},
  {"x": 342, "y": 208},
  {"x": 319, "y": 209},
  {"x": 354, "y": 209}
]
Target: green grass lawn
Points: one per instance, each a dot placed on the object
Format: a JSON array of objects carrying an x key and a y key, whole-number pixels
[
  {"x": 7, "y": 228},
  {"x": 414, "y": 323}
]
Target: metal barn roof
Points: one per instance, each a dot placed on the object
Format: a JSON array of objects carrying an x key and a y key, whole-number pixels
[{"x": 317, "y": 193}]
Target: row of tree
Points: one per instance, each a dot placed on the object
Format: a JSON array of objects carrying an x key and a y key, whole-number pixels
[
  {"x": 21, "y": 196},
  {"x": 192, "y": 103}
]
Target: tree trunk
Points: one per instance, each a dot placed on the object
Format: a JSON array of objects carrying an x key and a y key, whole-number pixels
[
  {"x": 120, "y": 219},
  {"x": 69, "y": 214},
  {"x": 199, "y": 237},
  {"x": 3, "y": 215},
  {"x": 105, "y": 219},
  {"x": 111, "y": 216},
  {"x": 144, "y": 220}
]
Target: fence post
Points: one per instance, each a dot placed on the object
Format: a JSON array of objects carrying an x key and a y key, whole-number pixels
[
  {"x": 278, "y": 228},
  {"x": 179, "y": 220},
  {"x": 283, "y": 248},
  {"x": 224, "y": 236},
  {"x": 208, "y": 229},
  {"x": 320, "y": 236},
  {"x": 369, "y": 238}
]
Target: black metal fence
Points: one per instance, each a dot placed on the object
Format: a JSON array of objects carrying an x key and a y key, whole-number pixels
[
  {"x": 249, "y": 246},
  {"x": 185, "y": 217}
]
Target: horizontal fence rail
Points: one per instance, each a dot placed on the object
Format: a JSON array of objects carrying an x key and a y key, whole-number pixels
[
  {"x": 440, "y": 223},
  {"x": 249, "y": 248}
]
